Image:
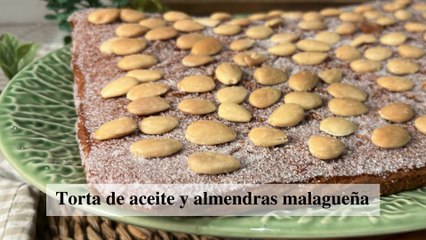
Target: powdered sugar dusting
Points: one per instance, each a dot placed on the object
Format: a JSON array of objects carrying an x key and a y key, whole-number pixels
[{"x": 111, "y": 162}]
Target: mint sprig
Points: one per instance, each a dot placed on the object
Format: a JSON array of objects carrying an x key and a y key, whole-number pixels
[{"x": 14, "y": 56}]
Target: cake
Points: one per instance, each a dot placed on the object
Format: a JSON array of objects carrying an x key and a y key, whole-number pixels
[{"x": 334, "y": 96}]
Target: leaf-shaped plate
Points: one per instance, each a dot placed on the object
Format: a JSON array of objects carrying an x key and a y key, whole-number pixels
[{"x": 37, "y": 120}]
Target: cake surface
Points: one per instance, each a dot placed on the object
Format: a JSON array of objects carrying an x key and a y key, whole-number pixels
[{"x": 111, "y": 161}]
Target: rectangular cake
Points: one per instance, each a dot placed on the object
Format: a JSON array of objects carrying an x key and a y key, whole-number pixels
[{"x": 334, "y": 96}]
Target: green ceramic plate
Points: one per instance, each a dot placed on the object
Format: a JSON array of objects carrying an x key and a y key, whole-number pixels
[{"x": 37, "y": 132}]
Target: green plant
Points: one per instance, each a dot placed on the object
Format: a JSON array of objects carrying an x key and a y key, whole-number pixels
[
  {"x": 14, "y": 56},
  {"x": 62, "y": 9}
]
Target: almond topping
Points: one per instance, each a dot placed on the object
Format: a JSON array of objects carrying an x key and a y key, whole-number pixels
[
  {"x": 115, "y": 129},
  {"x": 390, "y": 136},
  {"x": 161, "y": 33},
  {"x": 212, "y": 163}
]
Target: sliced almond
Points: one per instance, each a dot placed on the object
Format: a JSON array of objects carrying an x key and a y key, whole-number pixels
[
  {"x": 264, "y": 97},
  {"x": 126, "y": 46},
  {"x": 234, "y": 112},
  {"x": 390, "y": 136},
  {"x": 365, "y": 66},
  {"x": 292, "y": 15},
  {"x": 241, "y": 44},
  {"x": 207, "y": 22},
  {"x": 310, "y": 45},
  {"x": 346, "y": 107},
  {"x": 249, "y": 58},
  {"x": 158, "y": 124},
  {"x": 282, "y": 49},
  {"x": 103, "y": 16},
  {"x": 420, "y": 124},
  {"x": 397, "y": 112},
  {"x": 325, "y": 148},
  {"x": 393, "y": 38},
  {"x": 304, "y": 99},
  {"x": 155, "y": 147},
  {"x": 274, "y": 22},
  {"x": 346, "y": 28},
  {"x": 344, "y": 90},
  {"x": 115, "y": 129},
  {"x": 328, "y": 37},
  {"x": 228, "y": 73},
  {"x": 227, "y": 29},
  {"x": 275, "y": 13},
  {"x": 351, "y": 17},
  {"x": 243, "y": 22},
  {"x": 259, "y": 32},
  {"x": 286, "y": 37},
  {"x": 311, "y": 16},
  {"x": 231, "y": 94},
  {"x": 377, "y": 53},
  {"x": 130, "y": 30},
  {"x": 395, "y": 84},
  {"x": 258, "y": 16},
  {"x": 147, "y": 90},
  {"x": 205, "y": 132},
  {"x": 152, "y": 23},
  {"x": 311, "y": 25},
  {"x": 385, "y": 21},
  {"x": 269, "y": 76},
  {"x": 148, "y": 106},
  {"x": 338, "y": 126},
  {"x": 403, "y": 15},
  {"x": 347, "y": 53},
  {"x": 187, "y": 25},
  {"x": 207, "y": 46},
  {"x": 415, "y": 27},
  {"x": 196, "y": 106},
  {"x": 287, "y": 115},
  {"x": 392, "y": 6},
  {"x": 187, "y": 41},
  {"x": 409, "y": 51},
  {"x": 331, "y": 75},
  {"x": 212, "y": 163},
  {"x": 221, "y": 16},
  {"x": 137, "y": 61},
  {"x": 267, "y": 137},
  {"x": 363, "y": 39},
  {"x": 106, "y": 46},
  {"x": 143, "y": 75},
  {"x": 330, "y": 12},
  {"x": 372, "y": 15},
  {"x": 309, "y": 58},
  {"x": 161, "y": 33},
  {"x": 303, "y": 81},
  {"x": 173, "y": 16},
  {"x": 196, "y": 83},
  {"x": 401, "y": 66},
  {"x": 196, "y": 60},
  {"x": 131, "y": 15},
  {"x": 118, "y": 87}
]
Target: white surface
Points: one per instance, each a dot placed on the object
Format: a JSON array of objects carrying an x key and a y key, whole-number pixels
[{"x": 22, "y": 11}]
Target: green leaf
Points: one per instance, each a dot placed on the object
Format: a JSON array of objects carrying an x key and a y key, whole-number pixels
[
  {"x": 26, "y": 54},
  {"x": 65, "y": 26},
  {"x": 9, "y": 40},
  {"x": 67, "y": 40},
  {"x": 15, "y": 56},
  {"x": 50, "y": 17},
  {"x": 7, "y": 71}
]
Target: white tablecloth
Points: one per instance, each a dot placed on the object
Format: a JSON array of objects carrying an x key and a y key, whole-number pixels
[{"x": 19, "y": 201}]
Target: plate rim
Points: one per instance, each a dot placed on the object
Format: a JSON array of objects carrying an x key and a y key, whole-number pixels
[{"x": 175, "y": 225}]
